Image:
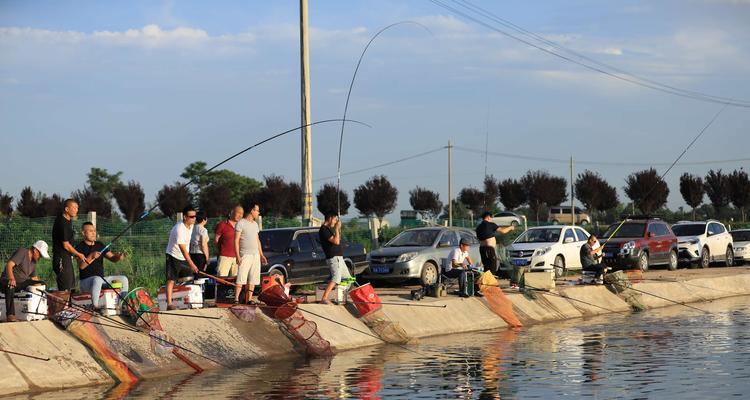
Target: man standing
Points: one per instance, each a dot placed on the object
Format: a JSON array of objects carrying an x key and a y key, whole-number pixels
[
  {"x": 20, "y": 273},
  {"x": 224, "y": 239},
  {"x": 179, "y": 264},
  {"x": 91, "y": 274},
  {"x": 249, "y": 252},
  {"x": 62, "y": 246},
  {"x": 199, "y": 243},
  {"x": 330, "y": 239},
  {"x": 486, "y": 234}
]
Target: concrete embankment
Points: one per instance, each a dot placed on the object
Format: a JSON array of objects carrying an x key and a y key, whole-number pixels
[{"x": 228, "y": 341}]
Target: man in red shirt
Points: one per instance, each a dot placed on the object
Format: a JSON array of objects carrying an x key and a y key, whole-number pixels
[{"x": 224, "y": 240}]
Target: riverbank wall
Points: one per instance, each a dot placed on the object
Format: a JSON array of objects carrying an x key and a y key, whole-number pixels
[{"x": 225, "y": 341}]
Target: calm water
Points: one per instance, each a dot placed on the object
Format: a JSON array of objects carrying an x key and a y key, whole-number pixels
[{"x": 660, "y": 354}]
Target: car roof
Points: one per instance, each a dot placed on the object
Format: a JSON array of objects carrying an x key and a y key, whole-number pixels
[
  {"x": 740, "y": 230},
  {"x": 292, "y": 229},
  {"x": 556, "y": 226}
]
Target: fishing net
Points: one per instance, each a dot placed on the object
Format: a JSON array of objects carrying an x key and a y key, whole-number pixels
[
  {"x": 279, "y": 306},
  {"x": 387, "y": 330},
  {"x": 500, "y": 304},
  {"x": 244, "y": 312},
  {"x": 619, "y": 280},
  {"x": 622, "y": 283},
  {"x": 139, "y": 309},
  {"x": 161, "y": 342}
]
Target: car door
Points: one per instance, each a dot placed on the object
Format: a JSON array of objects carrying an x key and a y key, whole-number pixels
[
  {"x": 306, "y": 258},
  {"x": 322, "y": 271},
  {"x": 655, "y": 249},
  {"x": 450, "y": 241},
  {"x": 715, "y": 243},
  {"x": 570, "y": 246},
  {"x": 582, "y": 237}
]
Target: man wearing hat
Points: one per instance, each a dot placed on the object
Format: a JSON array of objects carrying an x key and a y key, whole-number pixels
[
  {"x": 459, "y": 263},
  {"x": 20, "y": 273}
]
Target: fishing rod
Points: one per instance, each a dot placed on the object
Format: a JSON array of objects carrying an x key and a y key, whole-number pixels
[
  {"x": 565, "y": 297},
  {"x": 669, "y": 300},
  {"x": 129, "y": 328},
  {"x": 172, "y": 314},
  {"x": 24, "y": 355},
  {"x": 694, "y": 285},
  {"x": 398, "y": 304},
  {"x": 346, "y": 105}
]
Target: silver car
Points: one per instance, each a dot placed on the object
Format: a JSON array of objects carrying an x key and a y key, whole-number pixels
[{"x": 419, "y": 253}]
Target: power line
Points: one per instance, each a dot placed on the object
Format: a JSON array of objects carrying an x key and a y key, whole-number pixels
[
  {"x": 327, "y": 178},
  {"x": 653, "y": 86}
]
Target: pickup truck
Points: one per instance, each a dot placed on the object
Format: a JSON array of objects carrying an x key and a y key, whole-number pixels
[{"x": 297, "y": 254}]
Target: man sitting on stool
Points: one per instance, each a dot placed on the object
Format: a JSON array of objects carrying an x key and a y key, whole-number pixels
[
  {"x": 92, "y": 269},
  {"x": 20, "y": 273},
  {"x": 589, "y": 256},
  {"x": 459, "y": 263}
]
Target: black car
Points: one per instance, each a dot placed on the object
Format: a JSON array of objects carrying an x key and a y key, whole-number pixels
[{"x": 297, "y": 254}]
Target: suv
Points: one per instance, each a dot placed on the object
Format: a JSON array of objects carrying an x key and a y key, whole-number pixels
[
  {"x": 418, "y": 253},
  {"x": 507, "y": 218},
  {"x": 547, "y": 248},
  {"x": 704, "y": 243},
  {"x": 640, "y": 243},
  {"x": 741, "y": 245},
  {"x": 562, "y": 215}
]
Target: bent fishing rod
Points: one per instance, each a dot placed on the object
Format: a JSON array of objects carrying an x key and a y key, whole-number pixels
[
  {"x": 346, "y": 105},
  {"x": 24, "y": 355}
]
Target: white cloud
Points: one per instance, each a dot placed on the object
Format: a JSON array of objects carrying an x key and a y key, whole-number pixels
[
  {"x": 613, "y": 51},
  {"x": 153, "y": 36}
]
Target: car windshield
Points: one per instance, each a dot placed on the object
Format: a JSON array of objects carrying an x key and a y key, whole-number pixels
[
  {"x": 689, "y": 229},
  {"x": 540, "y": 235},
  {"x": 275, "y": 241},
  {"x": 626, "y": 230},
  {"x": 741, "y": 236},
  {"x": 418, "y": 238}
]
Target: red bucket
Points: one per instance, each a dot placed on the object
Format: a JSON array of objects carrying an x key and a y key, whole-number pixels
[{"x": 365, "y": 299}]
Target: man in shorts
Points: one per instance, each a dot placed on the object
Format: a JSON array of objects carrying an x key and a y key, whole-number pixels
[
  {"x": 249, "y": 252},
  {"x": 179, "y": 265},
  {"x": 330, "y": 239},
  {"x": 486, "y": 234},
  {"x": 224, "y": 240}
]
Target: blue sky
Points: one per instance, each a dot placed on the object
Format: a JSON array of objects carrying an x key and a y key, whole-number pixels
[{"x": 147, "y": 87}]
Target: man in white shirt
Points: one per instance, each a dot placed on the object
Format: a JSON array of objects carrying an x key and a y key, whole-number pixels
[
  {"x": 460, "y": 263},
  {"x": 179, "y": 264}
]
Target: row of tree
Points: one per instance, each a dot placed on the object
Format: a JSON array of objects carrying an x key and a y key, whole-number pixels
[{"x": 215, "y": 192}]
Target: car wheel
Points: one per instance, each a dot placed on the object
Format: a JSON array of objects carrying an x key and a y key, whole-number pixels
[
  {"x": 514, "y": 223},
  {"x": 705, "y": 258},
  {"x": 559, "y": 266},
  {"x": 276, "y": 272},
  {"x": 643, "y": 261},
  {"x": 429, "y": 274},
  {"x": 672, "y": 261},
  {"x": 729, "y": 260},
  {"x": 555, "y": 222},
  {"x": 584, "y": 222}
]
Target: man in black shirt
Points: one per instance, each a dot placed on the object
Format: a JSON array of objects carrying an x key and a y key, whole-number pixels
[
  {"x": 589, "y": 257},
  {"x": 92, "y": 268},
  {"x": 486, "y": 234},
  {"x": 330, "y": 239},
  {"x": 62, "y": 247}
]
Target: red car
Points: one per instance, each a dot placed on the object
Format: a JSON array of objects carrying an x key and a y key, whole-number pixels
[{"x": 640, "y": 244}]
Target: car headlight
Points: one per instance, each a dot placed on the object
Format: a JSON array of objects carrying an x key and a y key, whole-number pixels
[
  {"x": 629, "y": 245},
  {"x": 739, "y": 249},
  {"x": 407, "y": 256},
  {"x": 693, "y": 241},
  {"x": 541, "y": 251}
]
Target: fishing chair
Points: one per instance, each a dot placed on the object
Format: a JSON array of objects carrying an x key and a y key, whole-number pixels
[{"x": 442, "y": 278}]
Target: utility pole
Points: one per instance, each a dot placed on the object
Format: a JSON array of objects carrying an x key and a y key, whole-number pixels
[
  {"x": 306, "y": 133},
  {"x": 572, "y": 192},
  {"x": 450, "y": 185}
]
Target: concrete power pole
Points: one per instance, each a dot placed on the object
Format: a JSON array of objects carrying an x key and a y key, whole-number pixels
[
  {"x": 450, "y": 185},
  {"x": 306, "y": 133},
  {"x": 572, "y": 193}
]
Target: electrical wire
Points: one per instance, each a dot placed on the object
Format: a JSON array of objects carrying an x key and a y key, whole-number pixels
[{"x": 407, "y": 158}]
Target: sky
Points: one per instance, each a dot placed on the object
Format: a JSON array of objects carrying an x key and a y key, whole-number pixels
[{"x": 147, "y": 87}]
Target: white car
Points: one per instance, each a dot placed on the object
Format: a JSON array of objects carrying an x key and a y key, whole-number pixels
[
  {"x": 507, "y": 218},
  {"x": 741, "y": 245},
  {"x": 548, "y": 248},
  {"x": 704, "y": 243}
]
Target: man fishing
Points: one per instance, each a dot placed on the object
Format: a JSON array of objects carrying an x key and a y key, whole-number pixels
[
  {"x": 459, "y": 264},
  {"x": 330, "y": 239},
  {"x": 589, "y": 255},
  {"x": 91, "y": 271},
  {"x": 486, "y": 234},
  {"x": 62, "y": 246},
  {"x": 224, "y": 240},
  {"x": 249, "y": 252},
  {"x": 20, "y": 273},
  {"x": 178, "y": 263}
]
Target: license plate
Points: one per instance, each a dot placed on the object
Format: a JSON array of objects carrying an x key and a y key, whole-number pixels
[
  {"x": 520, "y": 261},
  {"x": 379, "y": 269},
  {"x": 608, "y": 255}
]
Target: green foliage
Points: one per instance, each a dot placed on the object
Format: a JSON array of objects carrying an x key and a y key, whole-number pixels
[
  {"x": 237, "y": 184},
  {"x": 102, "y": 182}
]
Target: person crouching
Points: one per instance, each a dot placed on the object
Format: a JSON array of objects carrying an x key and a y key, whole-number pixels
[{"x": 20, "y": 273}]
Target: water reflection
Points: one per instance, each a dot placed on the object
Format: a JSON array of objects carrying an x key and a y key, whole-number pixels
[{"x": 667, "y": 353}]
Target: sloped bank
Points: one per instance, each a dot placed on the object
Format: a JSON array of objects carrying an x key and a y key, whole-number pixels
[{"x": 232, "y": 342}]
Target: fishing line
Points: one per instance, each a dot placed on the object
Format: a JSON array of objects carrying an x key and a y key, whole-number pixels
[
  {"x": 24, "y": 355},
  {"x": 669, "y": 300},
  {"x": 694, "y": 285},
  {"x": 564, "y": 297},
  {"x": 346, "y": 105}
]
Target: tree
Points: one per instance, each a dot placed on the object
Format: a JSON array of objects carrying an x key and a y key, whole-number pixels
[
  {"x": 376, "y": 197},
  {"x": 692, "y": 191},
  {"x": 29, "y": 204},
  {"x": 511, "y": 193},
  {"x": 542, "y": 189},
  {"x": 460, "y": 211},
  {"x": 473, "y": 199},
  {"x": 6, "y": 204},
  {"x": 51, "y": 206},
  {"x": 647, "y": 190},
  {"x": 101, "y": 182},
  {"x": 215, "y": 200},
  {"x": 329, "y": 197},
  {"x": 173, "y": 198},
  {"x": 89, "y": 200},
  {"x": 294, "y": 192},
  {"x": 237, "y": 184},
  {"x": 279, "y": 198},
  {"x": 491, "y": 193},
  {"x": 594, "y": 192},
  {"x": 739, "y": 190},
  {"x": 425, "y": 201},
  {"x": 717, "y": 189},
  {"x": 130, "y": 200}
]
